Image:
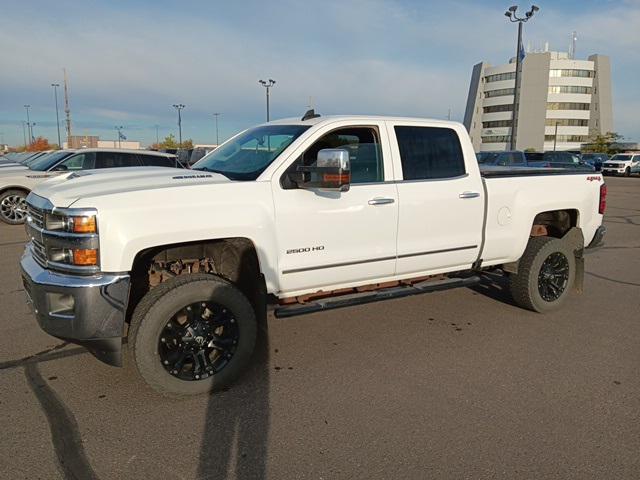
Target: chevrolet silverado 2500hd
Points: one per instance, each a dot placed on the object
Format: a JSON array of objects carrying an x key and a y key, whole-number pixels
[{"x": 311, "y": 213}]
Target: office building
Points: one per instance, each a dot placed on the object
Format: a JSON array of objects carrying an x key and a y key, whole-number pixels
[{"x": 562, "y": 102}]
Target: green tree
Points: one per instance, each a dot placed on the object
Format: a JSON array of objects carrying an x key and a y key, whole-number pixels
[{"x": 602, "y": 143}]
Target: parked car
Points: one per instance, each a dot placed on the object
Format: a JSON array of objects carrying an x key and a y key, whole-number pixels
[
  {"x": 17, "y": 182},
  {"x": 622, "y": 164},
  {"x": 595, "y": 159},
  {"x": 517, "y": 158},
  {"x": 21, "y": 159},
  {"x": 316, "y": 213}
]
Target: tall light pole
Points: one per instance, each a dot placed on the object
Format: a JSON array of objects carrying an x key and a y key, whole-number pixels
[
  {"x": 267, "y": 84},
  {"x": 513, "y": 18},
  {"x": 157, "y": 137},
  {"x": 119, "y": 130},
  {"x": 24, "y": 134},
  {"x": 179, "y": 107},
  {"x": 216, "y": 115},
  {"x": 55, "y": 94},
  {"x": 26, "y": 107}
]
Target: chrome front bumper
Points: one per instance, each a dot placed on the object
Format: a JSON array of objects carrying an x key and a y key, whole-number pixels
[{"x": 87, "y": 310}]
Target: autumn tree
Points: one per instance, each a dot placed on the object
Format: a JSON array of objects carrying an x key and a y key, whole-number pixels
[
  {"x": 170, "y": 143},
  {"x": 39, "y": 144}
]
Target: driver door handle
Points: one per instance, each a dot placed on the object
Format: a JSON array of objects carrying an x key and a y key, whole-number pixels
[
  {"x": 469, "y": 195},
  {"x": 381, "y": 201}
]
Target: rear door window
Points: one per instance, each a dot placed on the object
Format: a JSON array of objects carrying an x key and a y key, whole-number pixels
[
  {"x": 116, "y": 159},
  {"x": 157, "y": 161},
  {"x": 429, "y": 152}
]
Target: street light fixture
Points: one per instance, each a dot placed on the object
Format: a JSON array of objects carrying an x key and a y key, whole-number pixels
[
  {"x": 216, "y": 115},
  {"x": 179, "y": 107},
  {"x": 27, "y": 107},
  {"x": 55, "y": 94},
  {"x": 267, "y": 84},
  {"x": 120, "y": 136},
  {"x": 513, "y": 18}
]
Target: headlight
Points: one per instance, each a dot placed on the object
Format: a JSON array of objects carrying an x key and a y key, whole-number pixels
[
  {"x": 71, "y": 224},
  {"x": 82, "y": 257}
]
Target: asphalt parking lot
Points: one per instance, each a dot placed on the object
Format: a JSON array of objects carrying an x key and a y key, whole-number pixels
[{"x": 456, "y": 384}]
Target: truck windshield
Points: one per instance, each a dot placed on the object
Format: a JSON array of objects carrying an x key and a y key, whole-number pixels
[
  {"x": 246, "y": 156},
  {"x": 45, "y": 162},
  {"x": 622, "y": 158}
]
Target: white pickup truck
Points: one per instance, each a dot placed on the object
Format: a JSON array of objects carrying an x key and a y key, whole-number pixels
[{"x": 306, "y": 214}]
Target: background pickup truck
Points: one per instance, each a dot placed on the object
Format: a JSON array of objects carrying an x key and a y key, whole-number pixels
[
  {"x": 517, "y": 158},
  {"x": 307, "y": 214},
  {"x": 622, "y": 164}
]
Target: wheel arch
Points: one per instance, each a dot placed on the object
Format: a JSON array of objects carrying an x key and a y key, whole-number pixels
[{"x": 234, "y": 258}]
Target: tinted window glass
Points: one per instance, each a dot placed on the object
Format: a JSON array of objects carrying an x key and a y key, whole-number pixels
[
  {"x": 510, "y": 158},
  {"x": 157, "y": 161},
  {"x": 116, "y": 159},
  {"x": 45, "y": 162},
  {"x": 363, "y": 146},
  {"x": 429, "y": 152}
]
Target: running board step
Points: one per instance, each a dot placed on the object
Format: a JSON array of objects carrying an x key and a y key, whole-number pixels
[{"x": 375, "y": 296}]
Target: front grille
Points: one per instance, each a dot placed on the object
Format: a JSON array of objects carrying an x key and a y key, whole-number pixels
[
  {"x": 39, "y": 252},
  {"x": 611, "y": 165},
  {"x": 36, "y": 215}
]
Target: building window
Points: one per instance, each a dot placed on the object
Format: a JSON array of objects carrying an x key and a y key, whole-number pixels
[
  {"x": 501, "y": 76},
  {"x": 571, "y": 73},
  {"x": 496, "y": 139},
  {"x": 567, "y": 106},
  {"x": 566, "y": 122},
  {"x": 496, "y": 124},
  {"x": 499, "y": 108},
  {"x": 499, "y": 93},
  {"x": 569, "y": 89},
  {"x": 567, "y": 138}
]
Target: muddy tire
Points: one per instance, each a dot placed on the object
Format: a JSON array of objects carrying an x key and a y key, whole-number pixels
[
  {"x": 546, "y": 273},
  {"x": 192, "y": 334}
]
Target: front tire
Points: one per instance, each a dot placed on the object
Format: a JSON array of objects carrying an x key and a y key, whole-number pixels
[
  {"x": 627, "y": 172},
  {"x": 192, "y": 334},
  {"x": 546, "y": 273},
  {"x": 13, "y": 207}
]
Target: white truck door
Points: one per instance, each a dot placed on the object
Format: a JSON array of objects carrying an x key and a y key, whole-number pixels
[
  {"x": 441, "y": 199},
  {"x": 329, "y": 238}
]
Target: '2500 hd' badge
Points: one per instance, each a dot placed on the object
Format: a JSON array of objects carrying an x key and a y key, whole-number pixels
[{"x": 305, "y": 249}]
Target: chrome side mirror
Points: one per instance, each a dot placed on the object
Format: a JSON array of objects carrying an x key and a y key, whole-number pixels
[{"x": 331, "y": 171}]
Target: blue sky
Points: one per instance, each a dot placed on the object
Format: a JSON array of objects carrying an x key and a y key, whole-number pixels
[{"x": 129, "y": 61}]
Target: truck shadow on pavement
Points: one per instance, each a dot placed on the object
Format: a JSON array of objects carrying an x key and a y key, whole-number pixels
[
  {"x": 235, "y": 439},
  {"x": 495, "y": 286}
]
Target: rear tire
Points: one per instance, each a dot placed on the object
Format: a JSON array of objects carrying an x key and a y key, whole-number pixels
[
  {"x": 159, "y": 312},
  {"x": 13, "y": 207},
  {"x": 546, "y": 273}
]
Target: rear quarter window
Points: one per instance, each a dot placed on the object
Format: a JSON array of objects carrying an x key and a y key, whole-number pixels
[{"x": 157, "y": 161}]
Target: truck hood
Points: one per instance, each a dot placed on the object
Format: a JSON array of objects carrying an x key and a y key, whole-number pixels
[{"x": 68, "y": 188}]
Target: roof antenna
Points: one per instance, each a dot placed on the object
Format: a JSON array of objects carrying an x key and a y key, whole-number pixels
[{"x": 309, "y": 114}]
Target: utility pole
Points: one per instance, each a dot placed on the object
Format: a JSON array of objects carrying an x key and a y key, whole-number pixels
[
  {"x": 26, "y": 107},
  {"x": 157, "y": 137},
  {"x": 513, "y": 18},
  {"x": 179, "y": 107},
  {"x": 67, "y": 111},
  {"x": 449, "y": 115},
  {"x": 24, "y": 134},
  {"x": 555, "y": 137},
  {"x": 216, "y": 115},
  {"x": 268, "y": 85},
  {"x": 55, "y": 94}
]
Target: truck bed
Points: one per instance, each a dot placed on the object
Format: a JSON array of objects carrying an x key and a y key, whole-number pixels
[{"x": 494, "y": 171}]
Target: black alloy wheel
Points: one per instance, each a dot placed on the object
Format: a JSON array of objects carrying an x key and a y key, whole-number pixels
[
  {"x": 553, "y": 277},
  {"x": 198, "y": 341}
]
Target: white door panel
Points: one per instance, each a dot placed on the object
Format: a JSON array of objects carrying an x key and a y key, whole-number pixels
[{"x": 328, "y": 238}]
